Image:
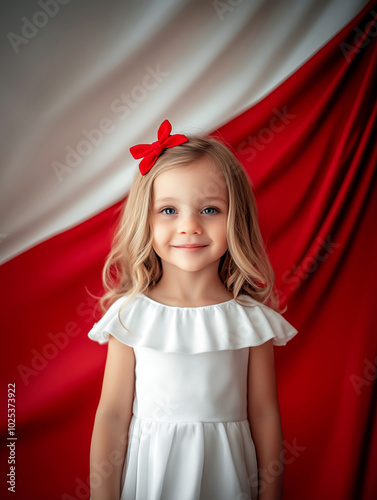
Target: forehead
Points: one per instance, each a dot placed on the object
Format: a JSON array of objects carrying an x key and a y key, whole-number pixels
[{"x": 199, "y": 181}]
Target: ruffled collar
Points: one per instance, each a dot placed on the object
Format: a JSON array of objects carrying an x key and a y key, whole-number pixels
[
  {"x": 180, "y": 307},
  {"x": 215, "y": 327}
]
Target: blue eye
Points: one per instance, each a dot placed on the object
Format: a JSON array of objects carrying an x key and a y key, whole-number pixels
[
  {"x": 211, "y": 208},
  {"x": 167, "y": 208},
  {"x": 174, "y": 210}
]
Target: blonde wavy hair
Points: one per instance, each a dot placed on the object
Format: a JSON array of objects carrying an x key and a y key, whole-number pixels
[{"x": 132, "y": 266}]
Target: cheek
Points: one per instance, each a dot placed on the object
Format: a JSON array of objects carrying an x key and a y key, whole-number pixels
[
  {"x": 160, "y": 231},
  {"x": 220, "y": 232}
]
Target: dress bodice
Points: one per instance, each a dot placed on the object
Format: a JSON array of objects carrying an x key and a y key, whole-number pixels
[{"x": 176, "y": 387}]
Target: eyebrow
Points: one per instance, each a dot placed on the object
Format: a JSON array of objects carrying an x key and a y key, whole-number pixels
[{"x": 215, "y": 198}]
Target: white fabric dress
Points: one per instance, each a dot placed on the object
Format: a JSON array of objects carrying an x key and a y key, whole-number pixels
[{"x": 189, "y": 436}]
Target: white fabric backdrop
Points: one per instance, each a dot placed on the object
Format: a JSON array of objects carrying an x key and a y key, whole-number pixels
[{"x": 121, "y": 67}]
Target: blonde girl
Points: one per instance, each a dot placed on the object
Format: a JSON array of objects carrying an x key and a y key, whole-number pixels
[{"x": 189, "y": 407}]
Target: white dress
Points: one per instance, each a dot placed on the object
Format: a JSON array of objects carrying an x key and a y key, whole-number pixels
[{"x": 189, "y": 436}]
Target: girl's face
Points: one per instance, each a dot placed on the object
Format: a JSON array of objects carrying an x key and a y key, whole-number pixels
[{"x": 190, "y": 205}]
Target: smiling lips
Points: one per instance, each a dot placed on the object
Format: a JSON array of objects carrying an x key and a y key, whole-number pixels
[{"x": 191, "y": 247}]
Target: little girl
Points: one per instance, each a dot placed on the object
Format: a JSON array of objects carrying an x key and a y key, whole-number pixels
[{"x": 189, "y": 407}]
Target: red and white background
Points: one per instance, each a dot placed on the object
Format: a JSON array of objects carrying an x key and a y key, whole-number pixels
[{"x": 291, "y": 87}]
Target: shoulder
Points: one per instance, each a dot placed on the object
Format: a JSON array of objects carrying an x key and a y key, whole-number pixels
[
  {"x": 119, "y": 349},
  {"x": 264, "y": 321},
  {"x": 111, "y": 323}
]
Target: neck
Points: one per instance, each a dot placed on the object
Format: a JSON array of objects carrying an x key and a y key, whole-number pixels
[{"x": 177, "y": 285}]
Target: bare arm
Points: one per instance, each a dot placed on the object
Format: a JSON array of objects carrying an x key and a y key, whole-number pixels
[
  {"x": 265, "y": 423},
  {"x": 113, "y": 416}
]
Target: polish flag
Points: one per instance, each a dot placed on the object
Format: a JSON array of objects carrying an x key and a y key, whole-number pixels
[{"x": 291, "y": 88}]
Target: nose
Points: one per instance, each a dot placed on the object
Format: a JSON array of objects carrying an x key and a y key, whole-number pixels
[{"x": 189, "y": 224}]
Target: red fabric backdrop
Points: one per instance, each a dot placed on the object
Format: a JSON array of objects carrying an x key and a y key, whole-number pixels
[{"x": 310, "y": 150}]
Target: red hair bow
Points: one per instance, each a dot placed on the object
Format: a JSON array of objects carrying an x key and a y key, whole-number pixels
[{"x": 150, "y": 152}]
